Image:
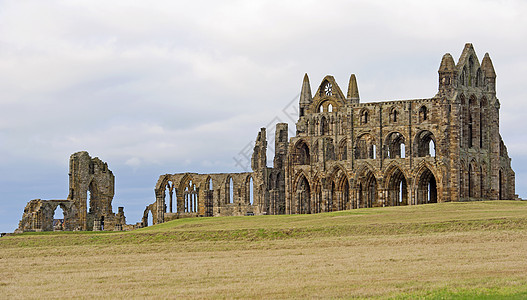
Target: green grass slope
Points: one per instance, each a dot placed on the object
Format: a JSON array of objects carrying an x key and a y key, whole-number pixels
[{"x": 472, "y": 250}]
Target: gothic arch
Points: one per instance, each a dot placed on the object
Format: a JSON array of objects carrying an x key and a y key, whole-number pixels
[
  {"x": 190, "y": 196},
  {"x": 301, "y": 155},
  {"x": 249, "y": 190},
  {"x": 397, "y": 186},
  {"x": 424, "y": 113},
  {"x": 364, "y": 116},
  {"x": 324, "y": 126},
  {"x": 229, "y": 190},
  {"x": 424, "y": 144},
  {"x": 426, "y": 188},
  {"x": 365, "y": 147},
  {"x": 366, "y": 187},
  {"x": 394, "y": 115},
  {"x": 395, "y": 144},
  {"x": 302, "y": 194}
]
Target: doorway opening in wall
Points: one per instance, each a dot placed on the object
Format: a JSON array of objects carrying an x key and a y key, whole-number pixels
[
  {"x": 427, "y": 188},
  {"x": 58, "y": 219}
]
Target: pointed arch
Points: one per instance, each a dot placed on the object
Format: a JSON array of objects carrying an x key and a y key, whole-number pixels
[
  {"x": 324, "y": 127},
  {"x": 364, "y": 116},
  {"x": 302, "y": 194},
  {"x": 424, "y": 144},
  {"x": 423, "y": 113},
  {"x": 249, "y": 192},
  {"x": 367, "y": 188},
  {"x": 301, "y": 155},
  {"x": 426, "y": 186},
  {"x": 229, "y": 187},
  {"x": 395, "y": 145},
  {"x": 208, "y": 202},
  {"x": 394, "y": 115},
  {"x": 397, "y": 186},
  {"x": 365, "y": 147}
]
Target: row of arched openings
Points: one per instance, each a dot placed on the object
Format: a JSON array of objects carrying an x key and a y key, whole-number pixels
[
  {"x": 423, "y": 115},
  {"x": 189, "y": 202},
  {"x": 314, "y": 199},
  {"x": 366, "y": 148}
]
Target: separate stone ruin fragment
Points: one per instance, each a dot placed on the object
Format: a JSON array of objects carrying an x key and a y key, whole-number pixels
[
  {"x": 347, "y": 154},
  {"x": 89, "y": 203}
]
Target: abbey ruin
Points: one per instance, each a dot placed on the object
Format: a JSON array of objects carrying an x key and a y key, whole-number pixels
[
  {"x": 345, "y": 155},
  {"x": 88, "y": 205}
]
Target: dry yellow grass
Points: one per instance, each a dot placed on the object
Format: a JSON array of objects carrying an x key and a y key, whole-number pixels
[{"x": 466, "y": 250}]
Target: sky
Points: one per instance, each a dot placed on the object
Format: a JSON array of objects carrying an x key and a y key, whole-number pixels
[{"x": 157, "y": 87}]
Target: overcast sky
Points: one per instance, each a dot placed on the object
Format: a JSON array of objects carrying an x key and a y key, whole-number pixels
[{"x": 156, "y": 87}]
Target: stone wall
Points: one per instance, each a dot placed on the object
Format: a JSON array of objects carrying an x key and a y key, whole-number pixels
[
  {"x": 347, "y": 154},
  {"x": 89, "y": 203}
]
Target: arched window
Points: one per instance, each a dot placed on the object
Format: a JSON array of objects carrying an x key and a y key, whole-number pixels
[
  {"x": 209, "y": 184},
  {"x": 330, "y": 108},
  {"x": 321, "y": 108},
  {"x": 395, "y": 145},
  {"x": 394, "y": 115},
  {"x": 58, "y": 219},
  {"x": 424, "y": 144},
  {"x": 423, "y": 113},
  {"x": 324, "y": 128},
  {"x": 301, "y": 155},
  {"x": 231, "y": 191},
  {"x": 303, "y": 196},
  {"x": 250, "y": 191},
  {"x": 365, "y": 147},
  {"x": 364, "y": 117}
]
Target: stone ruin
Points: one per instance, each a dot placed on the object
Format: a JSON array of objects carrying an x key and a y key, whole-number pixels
[
  {"x": 347, "y": 154},
  {"x": 89, "y": 203}
]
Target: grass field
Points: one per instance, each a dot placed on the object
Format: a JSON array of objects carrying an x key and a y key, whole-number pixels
[{"x": 475, "y": 250}]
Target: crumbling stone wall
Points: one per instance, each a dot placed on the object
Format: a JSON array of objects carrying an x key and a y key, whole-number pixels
[
  {"x": 89, "y": 203},
  {"x": 347, "y": 154}
]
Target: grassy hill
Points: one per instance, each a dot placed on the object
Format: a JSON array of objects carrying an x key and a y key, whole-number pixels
[{"x": 466, "y": 250}]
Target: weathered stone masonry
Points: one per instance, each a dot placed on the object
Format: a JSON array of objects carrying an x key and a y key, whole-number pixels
[
  {"x": 348, "y": 154},
  {"x": 89, "y": 203}
]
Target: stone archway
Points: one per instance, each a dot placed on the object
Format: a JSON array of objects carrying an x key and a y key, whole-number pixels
[
  {"x": 367, "y": 190},
  {"x": 303, "y": 195},
  {"x": 426, "y": 187},
  {"x": 397, "y": 188}
]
